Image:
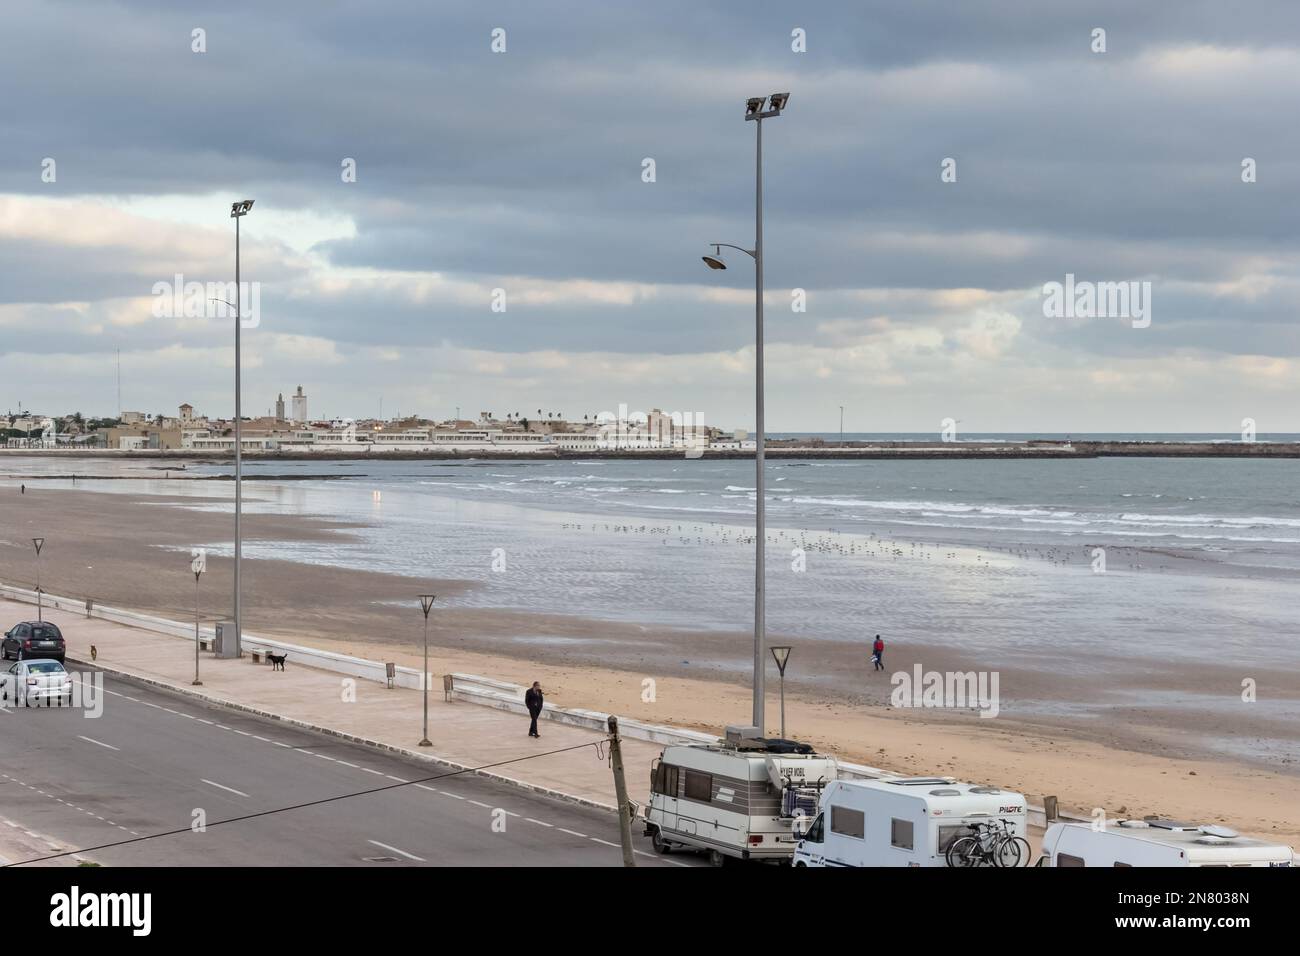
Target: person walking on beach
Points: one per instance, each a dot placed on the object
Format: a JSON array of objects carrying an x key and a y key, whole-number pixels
[
  {"x": 878, "y": 654},
  {"x": 533, "y": 700}
]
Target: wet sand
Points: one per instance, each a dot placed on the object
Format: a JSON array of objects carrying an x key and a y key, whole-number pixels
[{"x": 1146, "y": 757}]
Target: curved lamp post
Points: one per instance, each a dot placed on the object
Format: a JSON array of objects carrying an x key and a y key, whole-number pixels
[{"x": 755, "y": 111}]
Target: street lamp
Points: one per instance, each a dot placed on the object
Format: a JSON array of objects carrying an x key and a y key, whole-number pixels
[
  {"x": 426, "y": 604},
  {"x": 237, "y": 211},
  {"x": 841, "y": 426},
  {"x": 782, "y": 654},
  {"x": 198, "y": 566},
  {"x": 754, "y": 111},
  {"x": 39, "y": 543}
]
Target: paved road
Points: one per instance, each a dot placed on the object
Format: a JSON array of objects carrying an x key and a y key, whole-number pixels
[{"x": 153, "y": 759}]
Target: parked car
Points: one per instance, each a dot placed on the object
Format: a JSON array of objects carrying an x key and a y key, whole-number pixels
[
  {"x": 36, "y": 681},
  {"x": 33, "y": 639}
]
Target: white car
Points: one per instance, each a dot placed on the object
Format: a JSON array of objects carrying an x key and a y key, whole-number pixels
[{"x": 38, "y": 681}]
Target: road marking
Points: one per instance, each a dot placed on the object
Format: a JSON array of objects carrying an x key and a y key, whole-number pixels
[
  {"x": 606, "y": 842},
  {"x": 223, "y": 786},
  {"x": 398, "y": 779},
  {"x": 393, "y": 849},
  {"x": 480, "y": 803},
  {"x": 375, "y": 772},
  {"x": 572, "y": 832},
  {"x": 352, "y": 765},
  {"x": 540, "y": 823},
  {"x": 98, "y": 743}
]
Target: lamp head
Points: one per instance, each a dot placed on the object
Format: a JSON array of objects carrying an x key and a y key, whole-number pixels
[
  {"x": 240, "y": 208},
  {"x": 713, "y": 262}
]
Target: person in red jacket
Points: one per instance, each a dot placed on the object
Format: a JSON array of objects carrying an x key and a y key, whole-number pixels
[{"x": 878, "y": 654}]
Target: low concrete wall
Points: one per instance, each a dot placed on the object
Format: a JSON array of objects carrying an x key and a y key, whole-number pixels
[{"x": 307, "y": 656}]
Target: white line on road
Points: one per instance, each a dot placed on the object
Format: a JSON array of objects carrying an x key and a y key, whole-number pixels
[
  {"x": 222, "y": 786},
  {"x": 616, "y": 846},
  {"x": 572, "y": 832},
  {"x": 98, "y": 743},
  {"x": 540, "y": 823},
  {"x": 393, "y": 849}
]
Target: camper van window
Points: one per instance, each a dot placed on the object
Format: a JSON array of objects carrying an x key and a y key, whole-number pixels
[
  {"x": 1129, "y": 865},
  {"x": 1064, "y": 859},
  {"x": 900, "y": 834},
  {"x": 699, "y": 786},
  {"x": 817, "y": 832},
  {"x": 665, "y": 780},
  {"x": 846, "y": 822},
  {"x": 949, "y": 835}
]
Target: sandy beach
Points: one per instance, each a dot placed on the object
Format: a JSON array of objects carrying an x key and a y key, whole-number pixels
[{"x": 133, "y": 551}]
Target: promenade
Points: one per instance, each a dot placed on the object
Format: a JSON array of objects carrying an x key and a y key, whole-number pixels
[{"x": 463, "y": 734}]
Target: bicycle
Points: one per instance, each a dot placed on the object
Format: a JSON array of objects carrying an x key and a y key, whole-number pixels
[{"x": 991, "y": 844}]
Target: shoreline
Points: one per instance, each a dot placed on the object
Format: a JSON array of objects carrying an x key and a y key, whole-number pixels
[{"x": 774, "y": 448}]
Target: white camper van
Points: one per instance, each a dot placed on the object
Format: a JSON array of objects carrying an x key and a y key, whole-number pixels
[
  {"x": 735, "y": 799},
  {"x": 1156, "y": 842},
  {"x": 903, "y": 821}
]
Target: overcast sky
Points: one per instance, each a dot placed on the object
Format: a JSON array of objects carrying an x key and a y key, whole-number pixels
[{"x": 524, "y": 171}]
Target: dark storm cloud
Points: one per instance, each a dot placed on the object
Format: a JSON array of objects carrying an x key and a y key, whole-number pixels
[{"x": 527, "y": 165}]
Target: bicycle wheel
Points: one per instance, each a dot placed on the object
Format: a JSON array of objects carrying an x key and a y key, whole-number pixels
[
  {"x": 964, "y": 851},
  {"x": 1024, "y": 849},
  {"x": 1006, "y": 852}
]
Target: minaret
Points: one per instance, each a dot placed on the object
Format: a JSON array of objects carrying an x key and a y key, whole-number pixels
[{"x": 279, "y": 408}]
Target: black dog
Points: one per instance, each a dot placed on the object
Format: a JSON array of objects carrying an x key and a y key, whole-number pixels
[{"x": 277, "y": 660}]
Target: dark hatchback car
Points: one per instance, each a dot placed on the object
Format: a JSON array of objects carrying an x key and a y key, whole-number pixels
[{"x": 33, "y": 639}]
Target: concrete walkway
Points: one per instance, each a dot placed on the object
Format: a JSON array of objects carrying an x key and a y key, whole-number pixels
[{"x": 466, "y": 735}]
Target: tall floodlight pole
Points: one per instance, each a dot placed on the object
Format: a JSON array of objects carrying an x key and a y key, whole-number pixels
[
  {"x": 426, "y": 604},
  {"x": 237, "y": 211},
  {"x": 754, "y": 110},
  {"x": 39, "y": 543},
  {"x": 841, "y": 425}
]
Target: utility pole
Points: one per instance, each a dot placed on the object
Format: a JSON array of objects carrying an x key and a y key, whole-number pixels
[{"x": 620, "y": 793}]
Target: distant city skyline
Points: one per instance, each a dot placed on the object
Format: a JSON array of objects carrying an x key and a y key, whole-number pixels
[{"x": 420, "y": 239}]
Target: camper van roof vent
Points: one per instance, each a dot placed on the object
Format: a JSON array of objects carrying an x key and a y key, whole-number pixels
[
  {"x": 1212, "y": 841},
  {"x": 1218, "y": 832},
  {"x": 985, "y": 790},
  {"x": 1133, "y": 824},
  {"x": 921, "y": 781},
  {"x": 948, "y": 792},
  {"x": 1174, "y": 825}
]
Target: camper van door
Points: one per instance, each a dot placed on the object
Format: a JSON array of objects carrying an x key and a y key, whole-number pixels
[{"x": 811, "y": 849}]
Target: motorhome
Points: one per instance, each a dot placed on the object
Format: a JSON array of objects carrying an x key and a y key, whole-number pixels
[
  {"x": 1156, "y": 842},
  {"x": 902, "y": 821},
  {"x": 736, "y": 799}
]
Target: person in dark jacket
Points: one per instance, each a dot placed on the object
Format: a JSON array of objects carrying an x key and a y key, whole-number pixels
[{"x": 533, "y": 700}]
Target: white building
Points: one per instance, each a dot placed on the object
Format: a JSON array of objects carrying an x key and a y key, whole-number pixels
[{"x": 299, "y": 401}]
